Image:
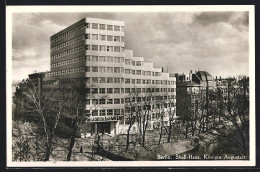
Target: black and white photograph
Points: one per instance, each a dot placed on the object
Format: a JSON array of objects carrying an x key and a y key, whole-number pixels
[{"x": 130, "y": 86}]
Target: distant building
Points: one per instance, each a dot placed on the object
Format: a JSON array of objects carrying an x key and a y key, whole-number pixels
[{"x": 189, "y": 86}]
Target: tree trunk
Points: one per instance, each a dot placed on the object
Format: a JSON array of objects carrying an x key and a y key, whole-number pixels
[
  {"x": 127, "y": 138},
  {"x": 48, "y": 153},
  {"x": 160, "y": 138},
  {"x": 170, "y": 133},
  {"x": 72, "y": 142},
  {"x": 186, "y": 131},
  {"x": 143, "y": 139}
]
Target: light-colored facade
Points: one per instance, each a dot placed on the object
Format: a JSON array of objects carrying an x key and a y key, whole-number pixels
[{"x": 93, "y": 50}]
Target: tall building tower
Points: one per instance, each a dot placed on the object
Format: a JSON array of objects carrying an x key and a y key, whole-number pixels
[{"x": 93, "y": 50}]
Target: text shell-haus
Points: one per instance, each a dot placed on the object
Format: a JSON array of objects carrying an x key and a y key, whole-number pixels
[{"x": 93, "y": 50}]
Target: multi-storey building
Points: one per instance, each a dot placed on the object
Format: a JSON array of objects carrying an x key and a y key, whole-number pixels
[
  {"x": 93, "y": 50},
  {"x": 190, "y": 87}
]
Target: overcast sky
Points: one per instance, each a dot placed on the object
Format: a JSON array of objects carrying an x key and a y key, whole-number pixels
[{"x": 216, "y": 42}]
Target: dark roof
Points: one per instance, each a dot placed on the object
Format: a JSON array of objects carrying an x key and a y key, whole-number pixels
[{"x": 204, "y": 76}]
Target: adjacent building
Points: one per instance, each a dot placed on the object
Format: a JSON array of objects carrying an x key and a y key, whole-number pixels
[{"x": 190, "y": 87}]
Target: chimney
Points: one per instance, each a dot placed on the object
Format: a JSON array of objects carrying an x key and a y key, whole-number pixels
[{"x": 190, "y": 75}]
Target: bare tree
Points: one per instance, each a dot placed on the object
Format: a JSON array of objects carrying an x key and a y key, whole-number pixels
[
  {"x": 77, "y": 94},
  {"x": 144, "y": 114},
  {"x": 131, "y": 108},
  {"x": 233, "y": 110},
  {"x": 47, "y": 108},
  {"x": 24, "y": 146}
]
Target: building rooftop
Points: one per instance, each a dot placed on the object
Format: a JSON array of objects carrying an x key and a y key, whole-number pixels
[{"x": 204, "y": 76}]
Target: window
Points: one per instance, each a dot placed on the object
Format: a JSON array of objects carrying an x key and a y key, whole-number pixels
[
  {"x": 109, "y": 101},
  {"x": 102, "y": 37},
  {"x": 133, "y": 63},
  {"x": 122, "y": 90},
  {"x": 122, "y": 80},
  {"x": 94, "y": 26},
  {"x": 109, "y": 27},
  {"x": 127, "y": 71},
  {"x": 117, "y": 59},
  {"x": 109, "y": 48},
  {"x": 116, "y": 80},
  {"x": 138, "y": 81},
  {"x": 127, "y": 61},
  {"x": 102, "y": 58},
  {"x": 109, "y": 38},
  {"x": 88, "y": 101},
  {"x": 143, "y": 72},
  {"x": 138, "y": 63},
  {"x": 122, "y": 28},
  {"x": 95, "y": 58},
  {"x": 88, "y": 58},
  {"x": 116, "y": 49},
  {"x": 87, "y": 47},
  {"x": 95, "y": 112},
  {"x": 117, "y": 28},
  {"x": 117, "y": 38},
  {"x": 102, "y": 27},
  {"x": 110, "y": 69},
  {"x": 102, "y": 69},
  {"x": 102, "y": 112},
  {"x": 94, "y": 36},
  {"x": 102, "y": 101},
  {"x": 133, "y": 72},
  {"x": 122, "y": 111},
  {"x": 102, "y": 91},
  {"x": 109, "y": 80},
  {"x": 117, "y": 90},
  {"x": 87, "y": 25},
  {"x": 95, "y": 90},
  {"x": 102, "y": 48},
  {"x": 127, "y": 90},
  {"x": 110, "y": 112},
  {"x": 87, "y": 68},
  {"x": 109, "y": 90},
  {"x": 116, "y": 69},
  {"x": 138, "y": 72},
  {"x": 94, "y": 80},
  {"x": 94, "y": 69},
  {"x": 87, "y": 80},
  {"x": 94, "y": 47},
  {"x": 133, "y": 81},
  {"x": 94, "y": 101},
  {"x": 127, "y": 81},
  {"x": 102, "y": 80},
  {"x": 109, "y": 59},
  {"x": 87, "y": 36},
  {"x": 116, "y": 101},
  {"x": 117, "y": 111}
]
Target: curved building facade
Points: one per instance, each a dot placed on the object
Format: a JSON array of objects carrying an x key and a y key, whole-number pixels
[{"x": 93, "y": 50}]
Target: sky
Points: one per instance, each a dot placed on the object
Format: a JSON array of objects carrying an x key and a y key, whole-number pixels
[{"x": 217, "y": 42}]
